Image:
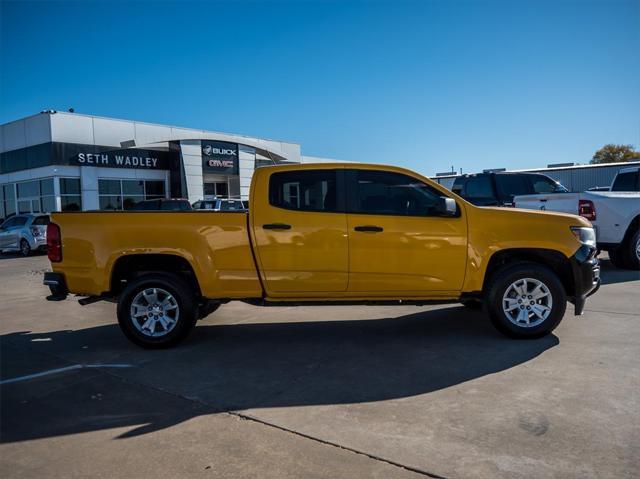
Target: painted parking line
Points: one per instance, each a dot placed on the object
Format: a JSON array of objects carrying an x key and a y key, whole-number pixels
[{"x": 62, "y": 370}]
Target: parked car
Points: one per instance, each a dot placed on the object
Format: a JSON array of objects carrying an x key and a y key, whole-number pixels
[
  {"x": 162, "y": 204},
  {"x": 499, "y": 188},
  {"x": 627, "y": 179},
  {"x": 614, "y": 214},
  {"x": 327, "y": 234},
  {"x": 24, "y": 233},
  {"x": 219, "y": 205}
]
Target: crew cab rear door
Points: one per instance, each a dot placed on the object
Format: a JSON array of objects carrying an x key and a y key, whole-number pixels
[
  {"x": 300, "y": 230},
  {"x": 398, "y": 243}
]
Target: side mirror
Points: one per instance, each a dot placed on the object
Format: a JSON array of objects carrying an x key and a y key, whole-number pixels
[{"x": 447, "y": 206}]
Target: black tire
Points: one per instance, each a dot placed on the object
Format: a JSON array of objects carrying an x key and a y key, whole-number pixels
[
  {"x": 628, "y": 251},
  {"x": 616, "y": 257},
  {"x": 25, "y": 249},
  {"x": 185, "y": 300},
  {"x": 473, "y": 304},
  {"x": 502, "y": 281}
]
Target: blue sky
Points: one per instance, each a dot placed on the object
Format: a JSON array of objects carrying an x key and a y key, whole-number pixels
[{"x": 427, "y": 85}]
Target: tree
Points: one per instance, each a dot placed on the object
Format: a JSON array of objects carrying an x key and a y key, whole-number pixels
[{"x": 615, "y": 153}]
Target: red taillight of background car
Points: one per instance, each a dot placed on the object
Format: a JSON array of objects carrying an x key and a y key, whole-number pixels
[
  {"x": 586, "y": 209},
  {"x": 54, "y": 243}
]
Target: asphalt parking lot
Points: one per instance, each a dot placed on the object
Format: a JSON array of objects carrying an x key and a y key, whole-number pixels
[{"x": 318, "y": 392}]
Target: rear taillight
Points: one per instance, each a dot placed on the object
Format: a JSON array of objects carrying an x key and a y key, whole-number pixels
[
  {"x": 586, "y": 209},
  {"x": 54, "y": 243}
]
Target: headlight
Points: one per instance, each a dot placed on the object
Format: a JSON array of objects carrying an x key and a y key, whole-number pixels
[{"x": 584, "y": 235}]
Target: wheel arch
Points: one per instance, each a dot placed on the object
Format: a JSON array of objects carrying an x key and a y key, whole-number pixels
[
  {"x": 554, "y": 260},
  {"x": 129, "y": 267}
]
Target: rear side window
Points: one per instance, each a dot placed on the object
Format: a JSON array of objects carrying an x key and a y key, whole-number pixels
[
  {"x": 509, "y": 186},
  {"x": 479, "y": 187},
  {"x": 41, "y": 221},
  {"x": 387, "y": 193},
  {"x": 626, "y": 182},
  {"x": 306, "y": 190}
]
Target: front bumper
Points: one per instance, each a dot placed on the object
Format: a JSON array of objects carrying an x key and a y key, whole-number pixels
[
  {"x": 57, "y": 286},
  {"x": 585, "y": 268}
]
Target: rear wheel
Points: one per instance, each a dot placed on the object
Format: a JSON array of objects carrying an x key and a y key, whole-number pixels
[
  {"x": 25, "y": 249},
  {"x": 157, "y": 310},
  {"x": 526, "y": 301}
]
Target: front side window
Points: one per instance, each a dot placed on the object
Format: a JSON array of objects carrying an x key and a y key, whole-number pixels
[
  {"x": 510, "y": 185},
  {"x": 306, "y": 190},
  {"x": 387, "y": 193},
  {"x": 543, "y": 184}
]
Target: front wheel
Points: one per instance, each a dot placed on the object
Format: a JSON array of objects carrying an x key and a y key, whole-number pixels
[
  {"x": 526, "y": 301},
  {"x": 157, "y": 310}
]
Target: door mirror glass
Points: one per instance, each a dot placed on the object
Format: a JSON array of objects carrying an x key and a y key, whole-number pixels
[{"x": 447, "y": 206}]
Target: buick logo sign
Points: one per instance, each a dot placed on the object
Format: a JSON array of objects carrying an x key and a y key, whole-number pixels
[{"x": 208, "y": 150}]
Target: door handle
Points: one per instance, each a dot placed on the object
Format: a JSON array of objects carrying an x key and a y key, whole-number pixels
[
  {"x": 369, "y": 228},
  {"x": 276, "y": 226}
]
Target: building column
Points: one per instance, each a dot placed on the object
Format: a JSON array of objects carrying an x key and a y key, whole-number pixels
[
  {"x": 89, "y": 188},
  {"x": 56, "y": 193},
  {"x": 191, "y": 152}
]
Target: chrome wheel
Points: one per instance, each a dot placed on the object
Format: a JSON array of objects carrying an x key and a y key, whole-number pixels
[
  {"x": 154, "y": 312},
  {"x": 527, "y": 302},
  {"x": 638, "y": 249},
  {"x": 25, "y": 249}
]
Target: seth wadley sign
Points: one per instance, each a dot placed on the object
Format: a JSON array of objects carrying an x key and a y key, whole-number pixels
[{"x": 103, "y": 159}]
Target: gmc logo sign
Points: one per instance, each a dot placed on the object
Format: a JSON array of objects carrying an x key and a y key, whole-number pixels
[{"x": 220, "y": 163}]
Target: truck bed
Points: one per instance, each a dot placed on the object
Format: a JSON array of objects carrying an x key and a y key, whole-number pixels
[{"x": 215, "y": 243}]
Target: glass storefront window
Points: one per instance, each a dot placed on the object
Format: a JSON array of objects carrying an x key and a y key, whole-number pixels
[
  {"x": 28, "y": 188},
  {"x": 9, "y": 200},
  {"x": 69, "y": 186},
  {"x": 154, "y": 189},
  {"x": 124, "y": 194},
  {"x": 71, "y": 202},
  {"x": 218, "y": 189},
  {"x": 109, "y": 187},
  {"x": 132, "y": 187},
  {"x": 110, "y": 202},
  {"x": 48, "y": 204},
  {"x": 46, "y": 187}
]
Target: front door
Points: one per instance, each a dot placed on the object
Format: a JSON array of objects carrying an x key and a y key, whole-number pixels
[
  {"x": 398, "y": 242},
  {"x": 301, "y": 231}
]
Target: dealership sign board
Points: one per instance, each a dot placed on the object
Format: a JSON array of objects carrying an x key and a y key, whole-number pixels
[
  {"x": 219, "y": 157},
  {"x": 108, "y": 157}
]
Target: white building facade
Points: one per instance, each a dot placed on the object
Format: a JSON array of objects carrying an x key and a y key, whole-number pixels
[{"x": 59, "y": 161}]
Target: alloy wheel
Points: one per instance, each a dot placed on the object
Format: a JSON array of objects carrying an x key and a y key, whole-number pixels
[
  {"x": 527, "y": 302},
  {"x": 154, "y": 312}
]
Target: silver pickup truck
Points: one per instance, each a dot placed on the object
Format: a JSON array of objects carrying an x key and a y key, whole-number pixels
[{"x": 615, "y": 215}]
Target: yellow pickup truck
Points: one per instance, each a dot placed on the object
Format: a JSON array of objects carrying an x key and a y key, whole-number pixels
[{"x": 326, "y": 234}]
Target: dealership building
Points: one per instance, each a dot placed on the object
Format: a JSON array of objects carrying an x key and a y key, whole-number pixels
[{"x": 60, "y": 161}]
